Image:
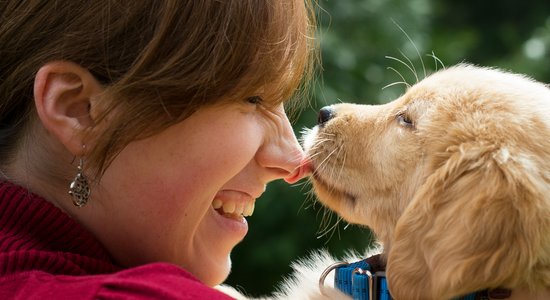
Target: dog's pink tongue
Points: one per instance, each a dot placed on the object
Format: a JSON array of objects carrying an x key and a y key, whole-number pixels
[{"x": 302, "y": 171}]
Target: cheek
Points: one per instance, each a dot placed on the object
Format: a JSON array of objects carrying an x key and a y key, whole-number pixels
[
  {"x": 398, "y": 153},
  {"x": 232, "y": 153},
  {"x": 218, "y": 150},
  {"x": 367, "y": 148}
]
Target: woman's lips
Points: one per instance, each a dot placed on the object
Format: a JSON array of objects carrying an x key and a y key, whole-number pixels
[{"x": 234, "y": 226}]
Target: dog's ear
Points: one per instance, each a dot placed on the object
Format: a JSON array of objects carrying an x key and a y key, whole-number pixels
[{"x": 481, "y": 220}]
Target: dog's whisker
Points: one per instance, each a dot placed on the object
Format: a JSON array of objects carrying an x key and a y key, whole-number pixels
[
  {"x": 396, "y": 83},
  {"x": 436, "y": 60},
  {"x": 320, "y": 144},
  {"x": 324, "y": 220},
  {"x": 322, "y": 168},
  {"x": 342, "y": 165},
  {"x": 333, "y": 155},
  {"x": 323, "y": 139},
  {"x": 402, "y": 78},
  {"x": 415, "y": 73},
  {"x": 413, "y": 44},
  {"x": 327, "y": 219},
  {"x": 326, "y": 134},
  {"x": 309, "y": 201},
  {"x": 340, "y": 219},
  {"x": 298, "y": 184},
  {"x": 335, "y": 228},
  {"x": 328, "y": 156},
  {"x": 400, "y": 75},
  {"x": 329, "y": 231},
  {"x": 308, "y": 193},
  {"x": 347, "y": 225},
  {"x": 412, "y": 69},
  {"x": 334, "y": 172},
  {"x": 313, "y": 155}
]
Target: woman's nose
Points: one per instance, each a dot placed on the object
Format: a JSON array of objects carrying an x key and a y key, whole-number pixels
[{"x": 282, "y": 155}]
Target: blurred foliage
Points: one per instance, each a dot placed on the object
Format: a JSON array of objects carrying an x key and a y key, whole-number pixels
[{"x": 357, "y": 37}]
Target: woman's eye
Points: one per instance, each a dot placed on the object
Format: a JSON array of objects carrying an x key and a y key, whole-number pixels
[
  {"x": 405, "y": 120},
  {"x": 254, "y": 100}
]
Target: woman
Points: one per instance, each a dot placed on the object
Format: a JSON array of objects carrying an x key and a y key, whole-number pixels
[{"x": 134, "y": 137}]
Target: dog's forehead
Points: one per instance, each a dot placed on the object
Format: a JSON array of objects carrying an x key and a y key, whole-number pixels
[
  {"x": 483, "y": 86},
  {"x": 479, "y": 79},
  {"x": 476, "y": 102}
]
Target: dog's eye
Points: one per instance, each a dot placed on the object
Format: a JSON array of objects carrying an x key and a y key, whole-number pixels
[
  {"x": 405, "y": 120},
  {"x": 254, "y": 100}
]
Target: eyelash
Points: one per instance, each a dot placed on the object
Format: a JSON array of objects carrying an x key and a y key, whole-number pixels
[
  {"x": 405, "y": 120},
  {"x": 254, "y": 100}
]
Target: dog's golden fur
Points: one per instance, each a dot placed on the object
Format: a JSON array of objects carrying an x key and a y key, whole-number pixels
[{"x": 453, "y": 178}]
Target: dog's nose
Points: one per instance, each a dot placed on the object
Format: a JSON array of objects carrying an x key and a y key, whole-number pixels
[{"x": 325, "y": 114}]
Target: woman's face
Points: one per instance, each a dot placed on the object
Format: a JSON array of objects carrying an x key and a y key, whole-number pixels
[{"x": 163, "y": 198}]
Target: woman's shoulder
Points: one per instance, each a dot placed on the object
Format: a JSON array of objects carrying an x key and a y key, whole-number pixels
[{"x": 151, "y": 281}]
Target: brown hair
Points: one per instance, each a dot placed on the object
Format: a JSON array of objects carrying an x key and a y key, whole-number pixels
[{"x": 159, "y": 60}]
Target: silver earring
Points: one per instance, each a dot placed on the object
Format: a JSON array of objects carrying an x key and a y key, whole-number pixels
[{"x": 79, "y": 188}]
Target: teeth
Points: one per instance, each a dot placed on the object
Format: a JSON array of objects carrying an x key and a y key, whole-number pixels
[
  {"x": 229, "y": 208},
  {"x": 249, "y": 209},
  {"x": 244, "y": 209},
  {"x": 239, "y": 209},
  {"x": 217, "y": 203}
]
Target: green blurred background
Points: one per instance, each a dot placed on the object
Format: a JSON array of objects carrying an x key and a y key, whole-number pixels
[{"x": 355, "y": 37}]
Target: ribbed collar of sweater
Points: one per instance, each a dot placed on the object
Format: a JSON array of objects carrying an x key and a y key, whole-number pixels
[{"x": 36, "y": 235}]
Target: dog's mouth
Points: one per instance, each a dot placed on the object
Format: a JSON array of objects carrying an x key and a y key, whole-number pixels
[{"x": 332, "y": 192}]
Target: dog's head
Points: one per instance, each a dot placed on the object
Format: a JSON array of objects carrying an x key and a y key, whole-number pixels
[{"x": 453, "y": 177}]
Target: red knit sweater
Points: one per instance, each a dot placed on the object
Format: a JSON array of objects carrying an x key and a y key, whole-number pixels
[{"x": 44, "y": 254}]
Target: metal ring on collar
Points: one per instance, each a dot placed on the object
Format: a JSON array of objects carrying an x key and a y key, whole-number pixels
[{"x": 326, "y": 272}]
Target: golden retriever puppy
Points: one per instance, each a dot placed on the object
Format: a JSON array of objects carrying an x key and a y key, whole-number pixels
[{"x": 453, "y": 177}]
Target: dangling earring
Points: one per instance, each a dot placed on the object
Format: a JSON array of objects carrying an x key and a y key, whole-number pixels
[{"x": 79, "y": 187}]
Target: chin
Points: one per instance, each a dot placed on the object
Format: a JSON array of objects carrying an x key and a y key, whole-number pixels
[{"x": 213, "y": 273}]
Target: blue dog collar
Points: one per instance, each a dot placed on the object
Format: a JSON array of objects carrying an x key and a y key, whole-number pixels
[
  {"x": 361, "y": 281},
  {"x": 357, "y": 280}
]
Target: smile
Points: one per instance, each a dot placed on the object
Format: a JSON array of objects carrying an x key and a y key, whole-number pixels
[{"x": 231, "y": 208}]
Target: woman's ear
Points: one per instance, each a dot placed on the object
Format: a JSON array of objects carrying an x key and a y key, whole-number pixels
[
  {"x": 476, "y": 223},
  {"x": 64, "y": 93}
]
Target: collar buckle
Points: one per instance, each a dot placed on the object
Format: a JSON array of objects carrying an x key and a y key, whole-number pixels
[{"x": 357, "y": 281}]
